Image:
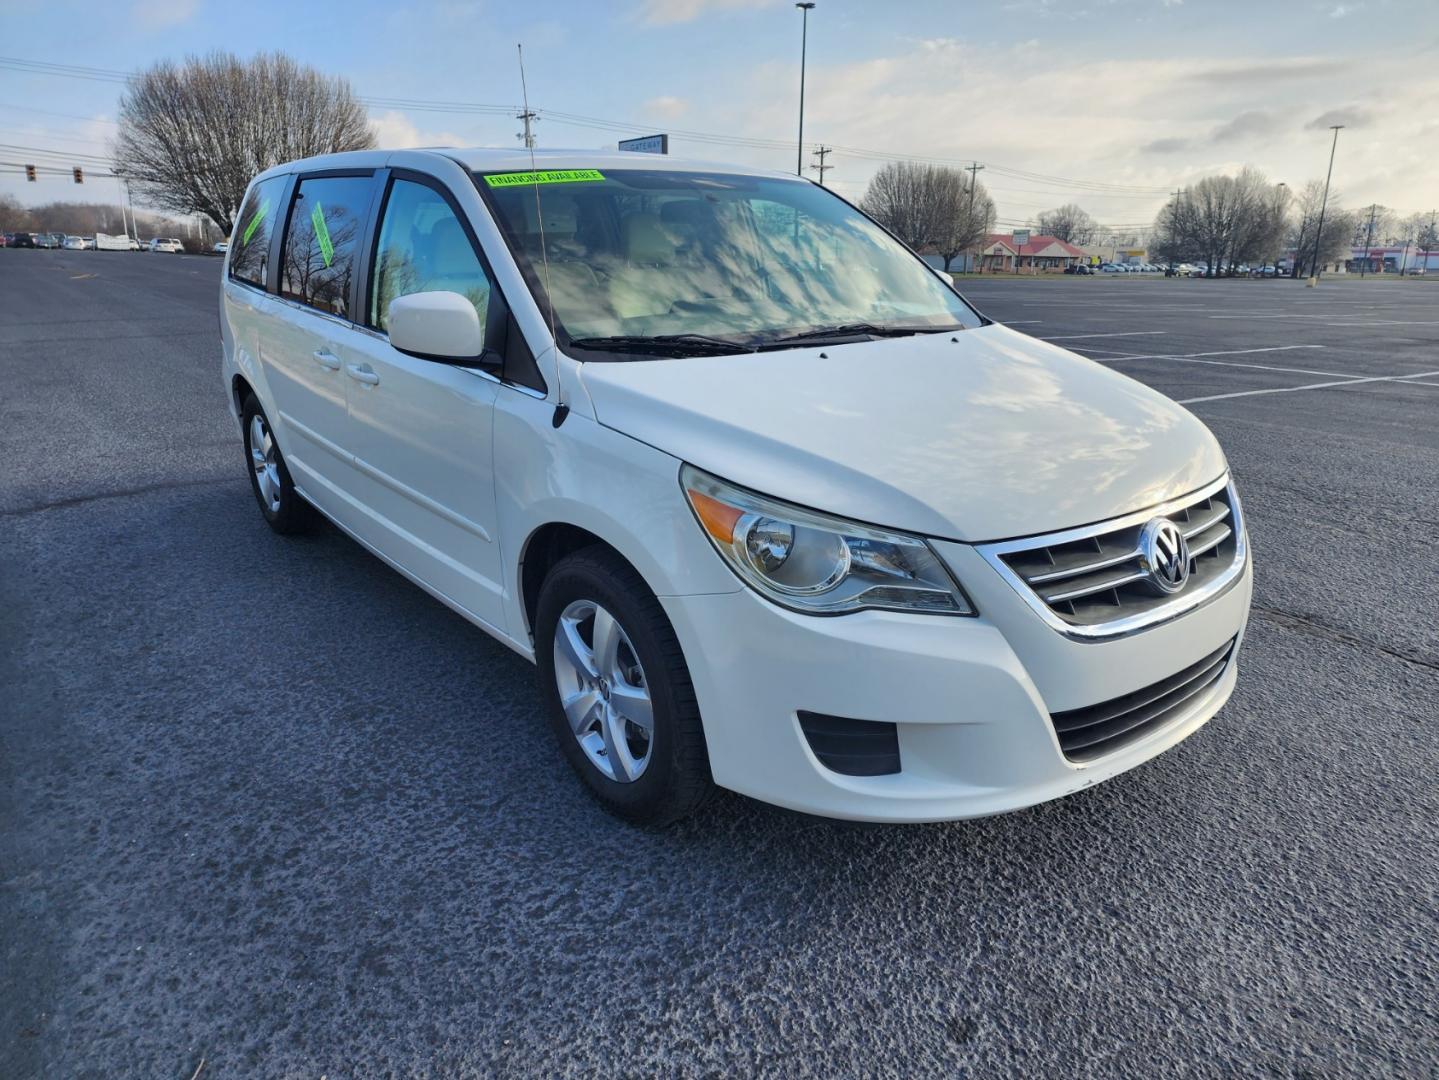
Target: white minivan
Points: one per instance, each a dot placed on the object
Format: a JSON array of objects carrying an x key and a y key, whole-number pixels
[{"x": 769, "y": 505}]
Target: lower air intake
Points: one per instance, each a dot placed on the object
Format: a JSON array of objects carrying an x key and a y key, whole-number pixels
[
  {"x": 852, "y": 747},
  {"x": 1096, "y": 730}
]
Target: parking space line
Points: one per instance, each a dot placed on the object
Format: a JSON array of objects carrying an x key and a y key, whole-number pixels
[
  {"x": 1122, "y": 333},
  {"x": 1262, "y": 367},
  {"x": 1310, "y": 386},
  {"x": 1186, "y": 356},
  {"x": 1388, "y": 322}
]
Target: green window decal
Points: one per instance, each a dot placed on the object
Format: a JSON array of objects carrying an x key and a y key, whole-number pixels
[
  {"x": 255, "y": 221},
  {"x": 545, "y": 176},
  {"x": 322, "y": 234}
]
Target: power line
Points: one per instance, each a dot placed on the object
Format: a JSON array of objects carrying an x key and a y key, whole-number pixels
[{"x": 39, "y": 67}]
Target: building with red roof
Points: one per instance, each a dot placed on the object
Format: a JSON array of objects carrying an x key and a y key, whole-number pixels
[{"x": 1038, "y": 255}]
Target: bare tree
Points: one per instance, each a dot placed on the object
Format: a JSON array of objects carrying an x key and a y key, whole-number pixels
[
  {"x": 1070, "y": 223},
  {"x": 967, "y": 229},
  {"x": 14, "y": 217},
  {"x": 1339, "y": 228},
  {"x": 930, "y": 206},
  {"x": 1420, "y": 230},
  {"x": 192, "y": 135},
  {"x": 1225, "y": 221}
]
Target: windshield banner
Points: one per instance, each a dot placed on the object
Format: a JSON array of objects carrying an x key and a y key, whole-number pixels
[{"x": 548, "y": 176}]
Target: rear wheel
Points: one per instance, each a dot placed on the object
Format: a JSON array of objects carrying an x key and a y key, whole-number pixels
[
  {"x": 281, "y": 504},
  {"x": 618, "y": 691}
]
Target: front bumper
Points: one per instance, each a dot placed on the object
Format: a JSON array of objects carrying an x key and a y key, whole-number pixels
[{"x": 971, "y": 697}]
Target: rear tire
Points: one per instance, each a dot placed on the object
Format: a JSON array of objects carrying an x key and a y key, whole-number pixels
[
  {"x": 285, "y": 511},
  {"x": 617, "y": 689}
]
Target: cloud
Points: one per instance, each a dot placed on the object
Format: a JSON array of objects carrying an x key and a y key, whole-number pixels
[
  {"x": 667, "y": 107},
  {"x": 908, "y": 100},
  {"x": 1354, "y": 116},
  {"x": 395, "y": 131},
  {"x": 160, "y": 14},
  {"x": 666, "y": 12},
  {"x": 1247, "y": 125},
  {"x": 1297, "y": 69}
]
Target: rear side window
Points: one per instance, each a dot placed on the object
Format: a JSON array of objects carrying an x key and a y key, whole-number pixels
[
  {"x": 424, "y": 248},
  {"x": 250, "y": 249},
  {"x": 321, "y": 254}
]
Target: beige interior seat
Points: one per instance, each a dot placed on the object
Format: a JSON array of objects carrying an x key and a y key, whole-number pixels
[{"x": 644, "y": 284}]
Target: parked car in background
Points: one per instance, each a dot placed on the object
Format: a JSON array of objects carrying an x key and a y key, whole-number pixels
[
  {"x": 73, "y": 243},
  {"x": 23, "y": 240},
  {"x": 45, "y": 240},
  {"x": 167, "y": 244},
  {"x": 709, "y": 510},
  {"x": 135, "y": 245},
  {"x": 221, "y": 248}
]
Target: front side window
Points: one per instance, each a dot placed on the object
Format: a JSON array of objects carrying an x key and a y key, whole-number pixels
[
  {"x": 322, "y": 245},
  {"x": 250, "y": 248},
  {"x": 633, "y": 255},
  {"x": 424, "y": 248}
]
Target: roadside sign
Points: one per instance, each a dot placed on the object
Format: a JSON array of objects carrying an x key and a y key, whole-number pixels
[
  {"x": 647, "y": 144},
  {"x": 1021, "y": 237}
]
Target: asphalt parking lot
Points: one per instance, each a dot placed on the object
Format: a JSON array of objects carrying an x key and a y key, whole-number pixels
[{"x": 266, "y": 805}]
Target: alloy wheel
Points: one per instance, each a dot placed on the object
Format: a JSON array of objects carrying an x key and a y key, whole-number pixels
[
  {"x": 263, "y": 459},
  {"x": 603, "y": 691}
]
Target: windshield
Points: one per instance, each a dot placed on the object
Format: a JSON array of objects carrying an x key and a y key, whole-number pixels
[{"x": 636, "y": 255}]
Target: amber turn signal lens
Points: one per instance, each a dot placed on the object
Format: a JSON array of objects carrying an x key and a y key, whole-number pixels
[{"x": 718, "y": 518}]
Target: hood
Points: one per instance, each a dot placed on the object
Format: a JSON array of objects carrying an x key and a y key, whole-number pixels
[{"x": 979, "y": 435}]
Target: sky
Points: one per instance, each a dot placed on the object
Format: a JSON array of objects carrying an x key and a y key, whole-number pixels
[{"x": 1107, "y": 103}]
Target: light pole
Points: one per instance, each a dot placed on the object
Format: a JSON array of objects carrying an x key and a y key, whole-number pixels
[
  {"x": 1323, "y": 205},
  {"x": 803, "y": 45}
]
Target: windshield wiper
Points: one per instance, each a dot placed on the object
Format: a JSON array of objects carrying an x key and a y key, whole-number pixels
[
  {"x": 664, "y": 344},
  {"x": 852, "y": 331}
]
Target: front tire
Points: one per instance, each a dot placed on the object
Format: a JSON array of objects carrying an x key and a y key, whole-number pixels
[
  {"x": 618, "y": 691},
  {"x": 285, "y": 511}
]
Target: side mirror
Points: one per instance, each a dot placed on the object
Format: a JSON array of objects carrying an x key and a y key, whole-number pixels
[{"x": 437, "y": 326}]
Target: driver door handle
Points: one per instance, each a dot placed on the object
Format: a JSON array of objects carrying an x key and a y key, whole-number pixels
[
  {"x": 362, "y": 373},
  {"x": 326, "y": 359}
]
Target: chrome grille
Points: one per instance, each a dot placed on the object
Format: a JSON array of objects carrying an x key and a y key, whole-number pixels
[{"x": 1091, "y": 582}]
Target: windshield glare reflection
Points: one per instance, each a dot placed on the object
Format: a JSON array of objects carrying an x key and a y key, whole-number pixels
[{"x": 743, "y": 258}]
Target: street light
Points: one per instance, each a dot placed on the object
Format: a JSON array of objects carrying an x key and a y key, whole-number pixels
[
  {"x": 803, "y": 44},
  {"x": 1323, "y": 203}
]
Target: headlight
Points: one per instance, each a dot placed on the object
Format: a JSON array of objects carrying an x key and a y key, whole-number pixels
[{"x": 815, "y": 563}]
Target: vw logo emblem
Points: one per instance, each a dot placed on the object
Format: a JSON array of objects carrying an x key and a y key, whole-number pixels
[{"x": 1164, "y": 555}]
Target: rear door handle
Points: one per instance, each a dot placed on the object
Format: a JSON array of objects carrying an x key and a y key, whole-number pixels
[
  {"x": 327, "y": 359},
  {"x": 362, "y": 373}
]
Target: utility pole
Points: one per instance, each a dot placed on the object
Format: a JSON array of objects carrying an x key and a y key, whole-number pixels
[
  {"x": 527, "y": 137},
  {"x": 1176, "y": 195},
  {"x": 1324, "y": 205},
  {"x": 973, "y": 171},
  {"x": 1368, "y": 240},
  {"x": 803, "y": 47},
  {"x": 1429, "y": 239},
  {"x": 820, "y": 167}
]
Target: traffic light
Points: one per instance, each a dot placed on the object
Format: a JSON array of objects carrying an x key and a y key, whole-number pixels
[
  {"x": 79, "y": 175},
  {"x": 30, "y": 173}
]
